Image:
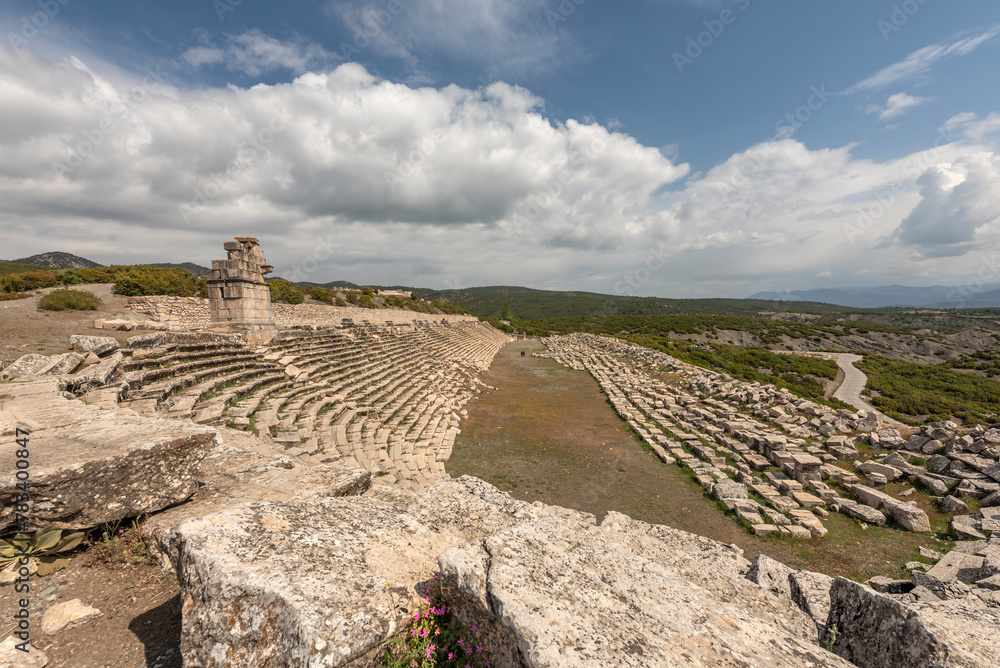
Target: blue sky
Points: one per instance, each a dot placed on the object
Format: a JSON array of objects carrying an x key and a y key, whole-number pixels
[{"x": 661, "y": 147}]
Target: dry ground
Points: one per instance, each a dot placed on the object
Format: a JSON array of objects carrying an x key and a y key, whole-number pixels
[
  {"x": 549, "y": 434},
  {"x": 24, "y": 329}
]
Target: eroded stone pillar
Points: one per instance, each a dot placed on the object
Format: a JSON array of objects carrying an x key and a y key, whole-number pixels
[{"x": 238, "y": 297}]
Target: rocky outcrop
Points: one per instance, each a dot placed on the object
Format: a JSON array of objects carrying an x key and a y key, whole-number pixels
[
  {"x": 626, "y": 593},
  {"x": 323, "y": 582},
  {"x": 874, "y": 631},
  {"x": 89, "y": 465}
]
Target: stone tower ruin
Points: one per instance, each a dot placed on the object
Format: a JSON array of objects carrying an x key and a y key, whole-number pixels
[{"x": 238, "y": 296}]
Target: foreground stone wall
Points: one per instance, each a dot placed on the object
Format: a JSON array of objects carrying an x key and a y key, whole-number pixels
[{"x": 193, "y": 313}]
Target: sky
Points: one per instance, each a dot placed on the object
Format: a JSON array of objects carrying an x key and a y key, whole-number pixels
[{"x": 674, "y": 148}]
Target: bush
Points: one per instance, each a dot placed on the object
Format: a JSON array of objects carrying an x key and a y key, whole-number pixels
[
  {"x": 65, "y": 299},
  {"x": 320, "y": 294},
  {"x": 70, "y": 277},
  {"x": 142, "y": 280},
  {"x": 30, "y": 280},
  {"x": 283, "y": 291}
]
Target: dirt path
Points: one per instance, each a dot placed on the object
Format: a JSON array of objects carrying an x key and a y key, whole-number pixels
[
  {"x": 854, "y": 382},
  {"x": 549, "y": 434}
]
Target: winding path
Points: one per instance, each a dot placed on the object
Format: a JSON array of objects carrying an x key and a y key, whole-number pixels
[{"x": 854, "y": 382}]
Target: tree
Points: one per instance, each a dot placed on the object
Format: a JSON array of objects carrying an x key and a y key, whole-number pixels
[{"x": 506, "y": 312}]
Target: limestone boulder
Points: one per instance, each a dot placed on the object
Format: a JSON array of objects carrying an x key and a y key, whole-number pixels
[
  {"x": 309, "y": 583},
  {"x": 811, "y": 592},
  {"x": 89, "y": 465},
  {"x": 729, "y": 489},
  {"x": 27, "y": 365},
  {"x": 99, "y": 345},
  {"x": 96, "y": 375},
  {"x": 771, "y": 575},
  {"x": 627, "y": 593},
  {"x": 908, "y": 515},
  {"x": 873, "y": 630}
]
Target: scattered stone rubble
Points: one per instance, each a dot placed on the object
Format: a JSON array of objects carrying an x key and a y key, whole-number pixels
[{"x": 737, "y": 438}]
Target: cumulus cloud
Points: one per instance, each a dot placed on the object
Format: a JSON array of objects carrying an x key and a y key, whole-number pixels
[
  {"x": 922, "y": 60},
  {"x": 959, "y": 208},
  {"x": 253, "y": 53},
  {"x": 346, "y": 175}
]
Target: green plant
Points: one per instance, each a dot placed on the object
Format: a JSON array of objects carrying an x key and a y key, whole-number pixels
[
  {"x": 433, "y": 636},
  {"x": 283, "y": 291},
  {"x": 65, "y": 299},
  {"x": 121, "y": 545},
  {"x": 139, "y": 280},
  {"x": 44, "y": 546},
  {"x": 831, "y": 638}
]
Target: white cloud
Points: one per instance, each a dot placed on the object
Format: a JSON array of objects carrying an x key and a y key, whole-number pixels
[
  {"x": 921, "y": 61},
  {"x": 959, "y": 208},
  {"x": 972, "y": 127},
  {"x": 897, "y": 105},
  {"x": 253, "y": 53},
  {"x": 425, "y": 186}
]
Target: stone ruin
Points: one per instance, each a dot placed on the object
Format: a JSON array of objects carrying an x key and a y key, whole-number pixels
[
  {"x": 298, "y": 492},
  {"x": 239, "y": 298}
]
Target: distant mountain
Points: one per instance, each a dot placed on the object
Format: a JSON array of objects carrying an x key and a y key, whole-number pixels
[
  {"x": 58, "y": 260},
  {"x": 195, "y": 269},
  {"x": 934, "y": 296},
  {"x": 530, "y": 304}
]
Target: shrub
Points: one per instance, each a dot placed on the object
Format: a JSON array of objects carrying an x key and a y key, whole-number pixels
[
  {"x": 70, "y": 277},
  {"x": 66, "y": 299},
  {"x": 30, "y": 280},
  {"x": 320, "y": 294},
  {"x": 141, "y": 280},
  {"x": 283, "y": 291}
]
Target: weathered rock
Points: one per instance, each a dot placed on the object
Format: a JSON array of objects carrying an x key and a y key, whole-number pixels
[
  {"x": 27, "y": 365},
  {"x": 555, "y": 585},
  {"x": 875, "y": 631},
  {"x": 885, "y": 585},
  {"x": 145, "y": 340},
  {"x": 864, "y": 513},
  {"x": 89, "y": 464},
  {"x": 965, "y": 527},
  {"x": 771, "y": 575},
  {"x": 12, "y": 657},
  {"x": 64, "y": 615},
  {"x": 99, "y": 345},
  {"x": 316, "y": 582},
  {"x": 909, "y": 516},
  {"x": 811, "y": 592},
  {"x": 945, "y": 590},
  {"x": 949, "y": 504},
  {"x": 933, "y": 485},
  {"x": 990, "y": 501},
  {"x": 728, "y": 489},
  {"x": 96, "y": 375}
]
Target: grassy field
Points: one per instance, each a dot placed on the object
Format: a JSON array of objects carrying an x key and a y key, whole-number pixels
[{"x": 549, "y": 434}]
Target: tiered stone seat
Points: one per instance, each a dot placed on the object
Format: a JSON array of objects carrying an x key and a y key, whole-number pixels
[
  {"x": 720, "y": 429},
  {"x": 382, "y": 398}
]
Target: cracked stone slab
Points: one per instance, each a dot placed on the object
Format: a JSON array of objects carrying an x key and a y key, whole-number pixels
[
  {"x": 626, "y": 593},
  {"x": 89, "y": 465},
  {"x": 317, "y": 583},
  {"x": 875, "y": 631}
]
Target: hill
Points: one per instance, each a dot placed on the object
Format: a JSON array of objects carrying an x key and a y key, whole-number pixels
[
  {"x": 934, "y": 296},
  {"x": 195, "y": 269},
  {"x": 530, "y": 304},
  {"x": 58, "y": 260}
]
